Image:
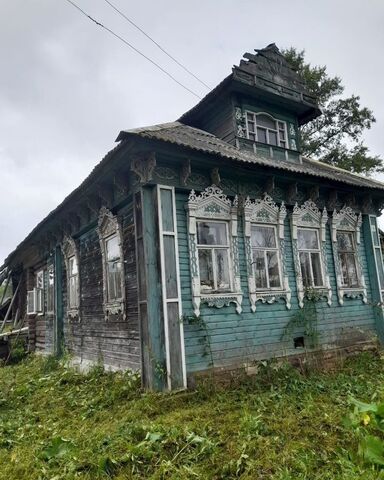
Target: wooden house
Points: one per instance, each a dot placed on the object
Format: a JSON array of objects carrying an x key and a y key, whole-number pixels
[{"x": 196, "y": 244}]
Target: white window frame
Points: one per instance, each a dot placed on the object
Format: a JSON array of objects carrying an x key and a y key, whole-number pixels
[
  {"x": 212, "y": 248},
  {"x": 38, "y": 295},
  {"x": 265, "y": 213},
  {"x": 50, "y": 292},
  {"x": 213, "y": 205},
  {"x": 308, "y": 216},
  {"x": 277, "y": 130},
  {"x": 347, "y": 221},
  {"x": 109, "y": 226},
  {"x": 70, "y": 249},
  {"x": 265, "y": 250},
  {"x": 309, "y": 251}
]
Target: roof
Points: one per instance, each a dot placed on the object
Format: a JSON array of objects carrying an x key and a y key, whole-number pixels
[
  {"x": 265, "y": 73},
  {"x": 177, "y": 133}
]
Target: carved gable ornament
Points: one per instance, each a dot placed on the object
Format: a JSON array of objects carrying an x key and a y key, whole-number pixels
[
  {"x": 212, "y": 204},
  {"x": 108, "y": 224},
  {"x": 309, "y": 216},
  {"x": 346, "y": 220},
  {"x": 265, "y": 211}
]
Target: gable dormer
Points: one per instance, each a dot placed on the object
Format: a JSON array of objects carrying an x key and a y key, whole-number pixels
[{"x": 259, "y": 107}]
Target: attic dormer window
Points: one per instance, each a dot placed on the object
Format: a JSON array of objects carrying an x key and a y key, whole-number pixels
[{"x": 263, "y": 128}]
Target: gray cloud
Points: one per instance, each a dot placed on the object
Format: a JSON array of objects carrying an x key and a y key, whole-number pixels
[{"x": 67, "y": 87}]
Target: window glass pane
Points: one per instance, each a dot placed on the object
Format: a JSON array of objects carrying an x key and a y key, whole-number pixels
[
  {"x": 282, "y": 134},
  {"x": 281, "y": 125},
  {"x": 345, "y": 242},
  {"x": 112, "y": 247},
  {"x": 263, "y": 236},
  {"x": 273, "y": 270},
  {"x": 167, "y": 210},
  {"x": 272, "y": 137},
  {"x": 259, "y": 267},
  {"x": 222, "y": 269},
  {"x": 73, "y": 300},
  {"x": 307, "y": 239},
  {"x": 250, "y": 116},
  {"x": 316, "y": 270},
  {"x": 282, "y": 144},
  {"x": 265, "y": 121},
  {"x": 251, "y": 126},
  {"x": 305, "y": 269},
  {"x": 114, "y": 280},
  {"x": 211, "y": 233},
  {"x": 344, "y": 269},
  {"x": 261, "y": 135},
  {"x": 73, "y": 266},
  {"x": 206, "y": 270},
  {"x": 170, "y": 266},
  {"x": 352, "y": 272},
  {"x": 379, "y": 267},
  {"x": 251, "y": 136},
  {"x": 374, "y": 231}
]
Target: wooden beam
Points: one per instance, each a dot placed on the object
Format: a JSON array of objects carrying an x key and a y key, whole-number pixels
[
  {"x": 313, "y": 193},
  {"x": 185, "y": 172},
  {"x": 269, "y": 185},
  {"x": 291, "y": 193}
]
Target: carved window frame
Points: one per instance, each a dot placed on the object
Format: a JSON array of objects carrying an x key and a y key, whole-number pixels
[
  {"x": 70, "y": 249},
  {"x": 347, "y": 221},
  {"x": 265, "y": 212},
  {"x": 109, "y": 226},
  {"x": 308, "y": 216},
  {"x": 213, "y": 205}
]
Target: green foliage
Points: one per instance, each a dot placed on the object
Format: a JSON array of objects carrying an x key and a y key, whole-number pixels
[
  {"x": 56, "y": 423},
  {"x": 304, "y": 320},
  {"x": 335, "y": 137},
  {"x": 205, "y": 339}
]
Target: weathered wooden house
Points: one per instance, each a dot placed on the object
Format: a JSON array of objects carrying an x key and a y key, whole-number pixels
[{"x": 192, "y": 245}]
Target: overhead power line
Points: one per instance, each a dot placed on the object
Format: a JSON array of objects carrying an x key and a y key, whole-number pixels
[
  {"x": 133, "y": 48},
  {"x": 157, "y": 44}
]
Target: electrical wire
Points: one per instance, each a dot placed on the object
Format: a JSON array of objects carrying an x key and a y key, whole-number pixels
[
  {"x": 133, "y": 48},
  {"x": 157, "y": 44}
]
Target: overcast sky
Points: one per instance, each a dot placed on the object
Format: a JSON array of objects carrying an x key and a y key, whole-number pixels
[{"x": 67, "y": 87}]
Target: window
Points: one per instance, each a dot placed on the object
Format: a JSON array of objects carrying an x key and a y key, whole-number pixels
[
  {"x": 264, "y": 250},
  {"x": 347, "y": 258},
  {"x": 73, "y": 283},
  {"x": 264, "y": 128},
  {"x": 35, "y": 297},
  {"x": 110, "y": 237},
  {"x": 213, "y": 250},
  {"x": 50, "y": 289},
  {"x": 71, "y": 259},
  {"x": 309, "y": 254},
  {"x": 308, "y": 243},
  {"x": 265, "y": 257},
  {"x": 345, "y": 227},
  {"x": 114, "y": 268},
  {"x": 213, "y": 247}
]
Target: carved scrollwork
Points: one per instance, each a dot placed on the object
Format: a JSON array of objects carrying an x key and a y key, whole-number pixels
[
  {"x": 70, "y": 249},
  {"x": 212, "y": 203},
  {"x": 144, "y": 165},
  {"x": 108, "y": 225},
  {"x": 346, "y": 220},
  {"x": 265, "y": 211},
  {"x": 308, "y": 215}
]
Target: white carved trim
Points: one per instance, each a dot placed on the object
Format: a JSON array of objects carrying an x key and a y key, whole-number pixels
[
  {"x": 265, "y": 211},
  {"x": 213, "y": 204},
  {"x": 346, "y": 220},
  {"x": 69, "y": 249},
  {"x": 108, "y": 225},
  {"x": 309, "y": 216}
]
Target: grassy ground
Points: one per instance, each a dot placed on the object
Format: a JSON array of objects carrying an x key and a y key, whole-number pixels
[{"x": 58, "y": 424}]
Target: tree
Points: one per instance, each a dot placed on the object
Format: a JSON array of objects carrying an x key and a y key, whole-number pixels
[{"x": 335, "y": 137}]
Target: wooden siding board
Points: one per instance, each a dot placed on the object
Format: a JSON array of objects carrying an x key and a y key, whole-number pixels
[{"x": 238, "y": 338}]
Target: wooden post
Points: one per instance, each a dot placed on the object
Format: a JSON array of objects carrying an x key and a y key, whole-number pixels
[
  {"x": 59, "y": 314},
  {"x": 149, "y": 287},
  {"x": 10, "y": 306}
]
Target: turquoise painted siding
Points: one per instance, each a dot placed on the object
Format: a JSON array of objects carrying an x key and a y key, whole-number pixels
[{"x": 236, "y": 339}]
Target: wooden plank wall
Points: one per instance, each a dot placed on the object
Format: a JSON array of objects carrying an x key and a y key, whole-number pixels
[
  {"x": 235, "y": 339},
  {"x": 115, "y": 343}
]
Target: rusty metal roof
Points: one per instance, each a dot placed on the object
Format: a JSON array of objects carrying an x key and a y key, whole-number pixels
[{"x": 177, "y": 133}]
